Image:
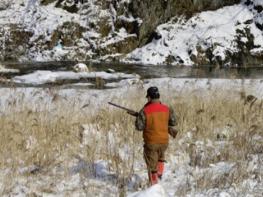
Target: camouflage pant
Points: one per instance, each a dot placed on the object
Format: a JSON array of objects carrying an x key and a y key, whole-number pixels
[{"x": 154, "y": 153}]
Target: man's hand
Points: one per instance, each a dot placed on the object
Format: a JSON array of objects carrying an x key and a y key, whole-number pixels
[{"x": 172, "y": 131}]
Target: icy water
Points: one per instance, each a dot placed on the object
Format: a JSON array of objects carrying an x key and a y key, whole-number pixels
[{"x": 145, "y": 71}]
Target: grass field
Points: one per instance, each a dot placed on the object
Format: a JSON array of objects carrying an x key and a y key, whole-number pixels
[{"x": 216, "y": 129}]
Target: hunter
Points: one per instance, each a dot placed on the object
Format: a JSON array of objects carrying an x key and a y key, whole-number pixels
[{"x": 154, "y": 120}]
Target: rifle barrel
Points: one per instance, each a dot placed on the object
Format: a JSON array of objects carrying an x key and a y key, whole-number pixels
[{"x": 119, "y": 106}]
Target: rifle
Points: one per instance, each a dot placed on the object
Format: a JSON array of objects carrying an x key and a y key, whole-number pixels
[{"x": 129, "y": 111}]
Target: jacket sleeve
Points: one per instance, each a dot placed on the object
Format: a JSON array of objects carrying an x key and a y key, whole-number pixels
[
  {"x": 172, "y": 117},
  {"x": 140, "y": 121}
]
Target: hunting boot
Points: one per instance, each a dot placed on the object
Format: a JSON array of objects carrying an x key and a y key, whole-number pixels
[
  {"x": 153, "y": 177},
  {"x": 160, "y": 169}
]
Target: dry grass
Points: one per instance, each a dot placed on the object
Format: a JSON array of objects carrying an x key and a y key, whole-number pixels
[
  {"x": 46, "y": 138},
  {"x": 215, "y": 118}
]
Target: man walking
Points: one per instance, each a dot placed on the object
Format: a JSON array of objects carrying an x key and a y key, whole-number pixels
[{"x": 154, "y": 120}]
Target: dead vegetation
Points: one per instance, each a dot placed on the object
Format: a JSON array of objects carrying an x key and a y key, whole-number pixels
[{"x": 216, "y": 129}]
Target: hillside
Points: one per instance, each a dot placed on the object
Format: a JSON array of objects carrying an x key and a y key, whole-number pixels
[{"x": 199, "y": 32}]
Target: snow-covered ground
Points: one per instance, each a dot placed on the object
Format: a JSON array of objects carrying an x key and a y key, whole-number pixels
[
  {"x": 42, "y": 77},
  {"x": 110, "y": 163},
  {"x": 71, "y": 175}
]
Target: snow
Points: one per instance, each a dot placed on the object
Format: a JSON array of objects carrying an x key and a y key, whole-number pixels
[
  {"x": 3, "y": 69},
  {"x": 154, "y": 191},
  {"x": 258, "y": 2},
  {"x": 43, "y": 21},
  {"x": 258, "y": 40},
  {"x": 125, "y": 18},
  {"x": 180, "y": 39},
  {"x": 125, "y": 83},
  {"x": 43, "y": 77},
  {"x": 121, "y": 35},
  {"x": 178, "y": 177}
]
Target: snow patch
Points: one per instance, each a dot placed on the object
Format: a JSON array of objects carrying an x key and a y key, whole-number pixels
[
  {"x": 180, "y": 39},
  {"x": 154, "y": 191},
  {"x": 44, "y": 77},
  {"x": 3, "y": 69}
]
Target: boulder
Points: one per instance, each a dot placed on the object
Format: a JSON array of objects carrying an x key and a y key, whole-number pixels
[{"x": 80, "y": 67}]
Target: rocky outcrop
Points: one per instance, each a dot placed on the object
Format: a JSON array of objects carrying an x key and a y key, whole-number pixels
[
  {"x": 100, "y": 29},
  {"x": 150, "y": 12},
  {"x": 14, "y": 43},
  {"x": 246, "y": 55},
  {"x": 243, "y": 57},
  {"x": 122, "y": 47},
  {"x": 68, "y": 34}
]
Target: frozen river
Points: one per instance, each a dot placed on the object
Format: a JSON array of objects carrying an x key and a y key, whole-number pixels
[{"x": 65, "y": 77}]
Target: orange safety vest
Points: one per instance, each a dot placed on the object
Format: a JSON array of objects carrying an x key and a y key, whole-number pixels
[{"x": 157, "y": 119}]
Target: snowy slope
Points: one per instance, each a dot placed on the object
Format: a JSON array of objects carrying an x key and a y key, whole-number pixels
[
  {"x": 106, "y": 30},
  {"x": 91, "y": 29},
  {"x": 182, "y": 41}
]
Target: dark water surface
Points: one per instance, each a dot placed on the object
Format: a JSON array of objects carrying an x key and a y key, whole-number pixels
[{"x": 145, "y": 71}]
